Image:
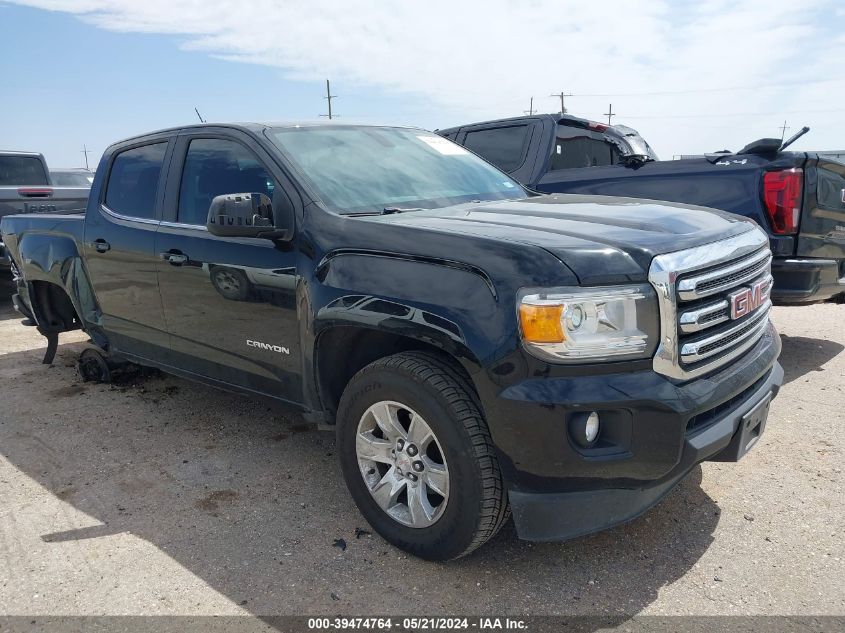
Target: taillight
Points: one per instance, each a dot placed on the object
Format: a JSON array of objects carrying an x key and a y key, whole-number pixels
[
  {"x": 782, "y": 194},
  {"x": 35, "y": 192}
]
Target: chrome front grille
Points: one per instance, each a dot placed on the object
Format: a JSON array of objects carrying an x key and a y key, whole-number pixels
[
  {"x": 714, "y": 303},
  {"x": 724, "y": 278}
]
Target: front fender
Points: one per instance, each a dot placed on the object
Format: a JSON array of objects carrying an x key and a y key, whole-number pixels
[{"x": 441, "y": 302}]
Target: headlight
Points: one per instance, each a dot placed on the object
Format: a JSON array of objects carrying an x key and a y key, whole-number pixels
[{"x": 582, "y": 324}]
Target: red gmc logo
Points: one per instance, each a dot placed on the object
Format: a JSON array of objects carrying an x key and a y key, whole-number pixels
[{"x": 746, "y": 300}]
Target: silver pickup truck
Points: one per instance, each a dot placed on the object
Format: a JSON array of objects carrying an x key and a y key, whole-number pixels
[{"x": 26, "y": 187}]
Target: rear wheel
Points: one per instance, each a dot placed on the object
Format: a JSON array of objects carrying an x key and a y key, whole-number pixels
[
  {"x": 417, "y": 457},
  {"x": 93, "y": 366}
]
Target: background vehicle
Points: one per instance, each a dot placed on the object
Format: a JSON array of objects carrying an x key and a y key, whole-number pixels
[
  {"x": 797, "y": 198},
  {"x": 478, "y": 347},
  {"x": 26, "y": 187},
  {"x": 71, "y": 177}
]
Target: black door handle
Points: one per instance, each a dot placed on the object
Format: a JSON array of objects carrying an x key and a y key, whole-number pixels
[
  {"x": 100, "y": 245},
  {"x": 175, "y": 258}
]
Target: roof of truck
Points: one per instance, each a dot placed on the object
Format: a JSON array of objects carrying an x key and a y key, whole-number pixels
[
  {"x": 10, "y": 152},
  {"x": 254, "y": 126}
]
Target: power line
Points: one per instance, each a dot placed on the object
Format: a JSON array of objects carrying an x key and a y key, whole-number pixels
[
  {"x": 734, "y": 114},
  {"x": 329, "y": 96}
]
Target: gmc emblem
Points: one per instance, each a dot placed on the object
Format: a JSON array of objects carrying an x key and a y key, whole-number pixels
[{"x": 746, "y": 300}]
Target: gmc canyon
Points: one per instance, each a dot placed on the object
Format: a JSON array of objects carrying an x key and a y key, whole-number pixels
[
  {"x": 479, "y": 348},
  {"x": 27, "y": 187},
  {"x": 798, "y": 198}
]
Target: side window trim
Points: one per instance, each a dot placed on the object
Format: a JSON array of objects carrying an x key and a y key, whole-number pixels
[{"x": 104, "y": 209}]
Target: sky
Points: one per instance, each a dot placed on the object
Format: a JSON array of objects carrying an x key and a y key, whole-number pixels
[{"x": 691, "y": 76}]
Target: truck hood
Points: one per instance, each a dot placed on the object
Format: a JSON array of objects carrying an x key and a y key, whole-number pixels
[{"x": 602, "y": 239}]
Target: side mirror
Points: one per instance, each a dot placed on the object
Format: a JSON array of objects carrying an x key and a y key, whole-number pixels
[{"x": 242, "y": 215}]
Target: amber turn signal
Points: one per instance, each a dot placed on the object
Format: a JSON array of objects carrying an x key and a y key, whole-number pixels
[{"x": 541, "y": 323}]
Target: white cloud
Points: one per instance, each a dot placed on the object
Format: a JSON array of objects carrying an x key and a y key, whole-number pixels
[{"x": 484, "y": 58}]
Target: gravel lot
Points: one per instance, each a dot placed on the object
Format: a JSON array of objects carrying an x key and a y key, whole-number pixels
[{"x": 160, "y": 496}]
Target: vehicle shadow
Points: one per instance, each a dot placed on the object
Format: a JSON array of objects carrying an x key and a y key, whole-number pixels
[
  {"x": 250, "y": 499},
  {"x": 802, "y": 354}
]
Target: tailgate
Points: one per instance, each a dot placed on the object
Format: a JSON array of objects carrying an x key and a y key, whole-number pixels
[
  {"x": 822, "y": 232},
  {"x": 40, "y": 199}
]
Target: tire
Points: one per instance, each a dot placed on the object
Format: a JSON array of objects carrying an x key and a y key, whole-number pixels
[
  {"x": 93, "y": 366},
  {"x": 406, "y": 388},
  {"x": 231, "y": 283}
]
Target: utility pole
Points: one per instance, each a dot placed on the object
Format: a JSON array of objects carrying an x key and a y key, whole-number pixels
[
  {"x": 85, "y": 151},
  {"x": 530, "y": 109},
  {"x": 783, "y": 129},
  {"x": 609, "y": 113},
  {"x": 199, "y": 115},
  {"x": 329, "y": 96},
  {"x": 561, "y": 95}
]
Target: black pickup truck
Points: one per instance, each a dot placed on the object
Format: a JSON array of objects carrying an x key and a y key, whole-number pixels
[
  {"x": 480, "y": 348},
  {"x": 797, "y": 198}
]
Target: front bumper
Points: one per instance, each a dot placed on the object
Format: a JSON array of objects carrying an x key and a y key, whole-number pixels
[
  {"x": 806, "y": 280},
  {"x": 657, "y": 429}
]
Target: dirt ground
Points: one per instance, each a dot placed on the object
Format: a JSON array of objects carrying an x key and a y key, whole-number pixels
[{"x": 160, "y": 496}]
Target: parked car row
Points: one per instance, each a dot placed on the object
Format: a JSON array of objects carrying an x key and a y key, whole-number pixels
[
  {"x": 481, "y": 350},
  {"x": 798, "y": 198}
]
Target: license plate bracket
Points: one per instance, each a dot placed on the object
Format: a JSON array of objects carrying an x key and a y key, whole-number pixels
[{"x": 751, "y": 427}]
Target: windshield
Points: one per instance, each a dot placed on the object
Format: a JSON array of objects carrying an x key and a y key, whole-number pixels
[
  {"x": 71, "y": 178},
  {"x": 367, "y": 169}
]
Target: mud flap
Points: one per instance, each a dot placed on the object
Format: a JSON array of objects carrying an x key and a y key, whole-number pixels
[{"x": 52, "y": 346}]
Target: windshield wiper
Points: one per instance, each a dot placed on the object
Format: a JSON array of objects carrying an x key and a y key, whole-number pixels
[{"x": 389, "y": 210}]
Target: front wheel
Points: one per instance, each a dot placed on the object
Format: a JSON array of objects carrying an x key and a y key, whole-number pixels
[{"x": 417, "y": 457}]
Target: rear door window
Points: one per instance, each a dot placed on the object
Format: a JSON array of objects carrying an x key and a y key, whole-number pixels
[
  {"x": 22, "y": 170},
  {"x": 831, "y": 188},
  {"x": 214, "y": 167},
  {"x": 133, "y": 181},
  {"x": 582, "y": 149},
  {"x": 505, "y": 147}
]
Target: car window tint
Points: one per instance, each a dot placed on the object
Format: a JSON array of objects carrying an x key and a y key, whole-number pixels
[
  {"x": 582, "y": 151},
  {"x": 502, "y": 146},
  {"x": 831, "y": 187},
  {"x": 21, "y": 170},
  {"x": 133, "y": 180},
  {"x": 214, "y": 167}
]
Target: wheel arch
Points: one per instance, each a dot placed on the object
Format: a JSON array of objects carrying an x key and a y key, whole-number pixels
[{"x": 342, "y": 350}]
